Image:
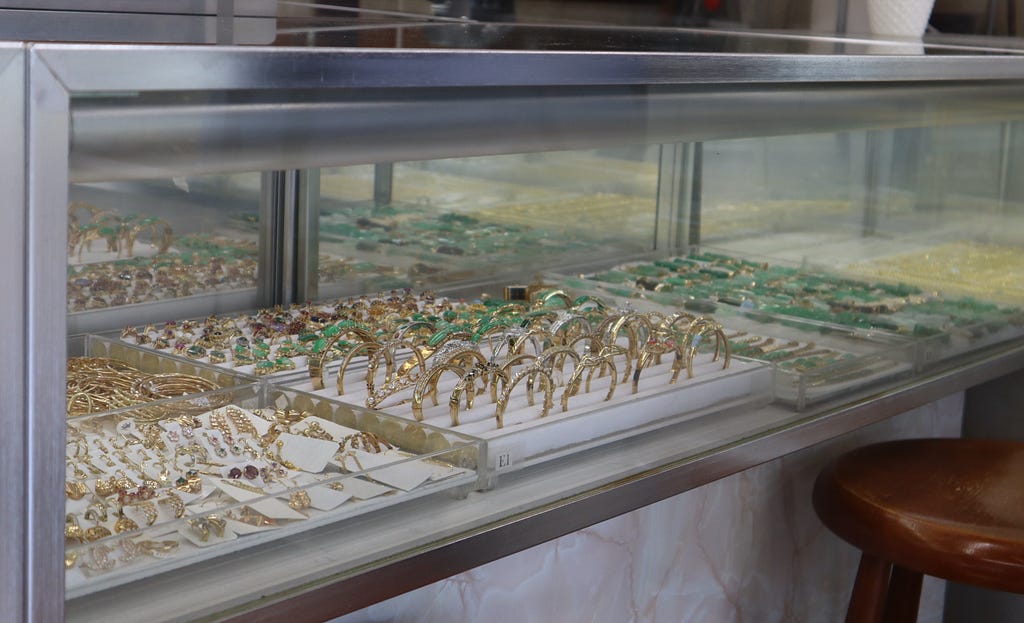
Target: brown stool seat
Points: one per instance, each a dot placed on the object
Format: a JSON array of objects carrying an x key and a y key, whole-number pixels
[{"x": 950, "y": 508}]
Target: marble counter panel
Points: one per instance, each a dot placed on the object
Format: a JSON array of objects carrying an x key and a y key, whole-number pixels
[{"x": 745, "y": 549}]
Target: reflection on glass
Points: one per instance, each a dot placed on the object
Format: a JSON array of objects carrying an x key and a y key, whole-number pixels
[
  {"x": 426, "y": 224},
  {"x": 156, "y": 240}
]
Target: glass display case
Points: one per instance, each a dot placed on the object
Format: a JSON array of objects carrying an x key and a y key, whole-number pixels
[{"x": 482, "y": 283}]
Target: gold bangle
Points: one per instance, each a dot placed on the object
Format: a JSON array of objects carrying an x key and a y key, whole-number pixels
[
  {"x": 637, "y": 326},
  {"x": 368, "y": 347},
  {"x": 468, "y": 381},
  {"x": 530, "y": 373},
  {"x": 426, "y": 384},
  {"x": 559, "y": 295},
  {"x": 554, "y": 358},
  {"x": 565, "y": 321},
  {"x": 590, "y": 362},
  {"x": 704, "y": 326},
  {"x": 650, "y": 353}
]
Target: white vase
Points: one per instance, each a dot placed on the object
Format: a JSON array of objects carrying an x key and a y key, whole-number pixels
[{"x": 899, "y": 18}]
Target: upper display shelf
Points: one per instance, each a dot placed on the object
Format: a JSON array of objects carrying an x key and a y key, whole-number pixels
[{"x": 470, "y": 35}]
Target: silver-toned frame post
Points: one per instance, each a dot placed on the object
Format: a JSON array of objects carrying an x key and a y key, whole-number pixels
[
  {"x": 16, "y": 516},
  {"x": 678, "y": 198},
  {"x": 307, "y": 235},
  {"x": 47, "y": 117},
  {"x": 269, "y": 277}
]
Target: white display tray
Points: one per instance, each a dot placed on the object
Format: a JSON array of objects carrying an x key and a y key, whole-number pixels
[{"x": 527, "y": 439}]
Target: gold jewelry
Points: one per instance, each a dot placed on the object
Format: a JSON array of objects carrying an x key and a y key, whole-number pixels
[
  {"x": 100, "y": 559},
  {"x": 175, "y": 502},
  {"x": 426, "y": 385},
  {"x": 79, "y": 474},
  {"x": 75, "y": 490},
  {"x": 96, "y": 533},
  {"x": 218, "y": 449},
  {"x": 97, "y": 511},
  {"x": 289, "y": 416},
  {"x": 158, "y": 549},
  {"x": 280, "y": 459},
  {"x": 217, "y": 524},
  {"x": 299, "y": 500},
  {"x": 559, "y": 295},
  {"x": 189, "y": 482},
  {"x": 530, "y": 373},
  {"x": 315, "y": 431},
  {"x": 696, "y": 332},
  {"x": 72, "y": 530},
  {"x": 242, "y": 423},
  {"x": 242, "y": 485},
  {"x": 106, "y": 488},
  {"x": 202, "y": 527},
  {"x": 591, "y": 362},
  {"x": 366, "y": 441},
  {"x": 130, "y": 548},
  {"x": 218, "y": 421},
  {"x": 124, "y": 524},
  {"x": 370, "y": 348},
  {"x": 149, "y": 509},
  {"x": 249, "y": 516}
]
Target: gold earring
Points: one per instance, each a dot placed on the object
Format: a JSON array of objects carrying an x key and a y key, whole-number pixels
[{"x": 75, "y": 490}]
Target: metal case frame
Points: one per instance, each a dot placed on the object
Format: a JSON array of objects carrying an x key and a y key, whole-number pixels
[{"x": 539, "y": 100}]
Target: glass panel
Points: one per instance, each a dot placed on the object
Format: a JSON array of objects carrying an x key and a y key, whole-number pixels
[
  {"x": 442, "y": 223},
  {"x": 161, "y": 249},
  {"x": 777, "y": 196}
]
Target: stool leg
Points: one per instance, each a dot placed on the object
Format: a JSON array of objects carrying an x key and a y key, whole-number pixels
[
  {"x": 867, "y": 603},
  {"x": 904, "y": 595}
]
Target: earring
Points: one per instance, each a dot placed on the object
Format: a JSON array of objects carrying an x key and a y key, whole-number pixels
[
  {"x": 124, "y": 524},
  {"x": 75, "y": 490},
  {"x": 72, "y": 530}
]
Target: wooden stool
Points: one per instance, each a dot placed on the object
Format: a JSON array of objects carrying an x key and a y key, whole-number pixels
[{"x": 950, "y": 508}]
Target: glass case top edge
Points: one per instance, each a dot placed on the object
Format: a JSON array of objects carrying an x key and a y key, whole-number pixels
[{"x": 91, "y": 68}]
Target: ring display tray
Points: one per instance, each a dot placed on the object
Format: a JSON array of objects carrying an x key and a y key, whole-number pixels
[
  {"x": 188, "y": 501},
  {"x": 240, "y": 340}
]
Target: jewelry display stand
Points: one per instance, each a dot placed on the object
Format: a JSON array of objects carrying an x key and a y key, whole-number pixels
[{"x": 527, "y": 438}]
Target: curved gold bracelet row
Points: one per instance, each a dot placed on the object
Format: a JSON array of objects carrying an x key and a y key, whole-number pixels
[{"x": 96, "y": 384}]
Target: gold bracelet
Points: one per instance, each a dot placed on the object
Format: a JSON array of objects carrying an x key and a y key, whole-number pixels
[{"x": 530, "y": 373}]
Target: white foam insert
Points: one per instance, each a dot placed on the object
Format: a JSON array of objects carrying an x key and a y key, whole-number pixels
[{"x": 527, "y": 438}]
